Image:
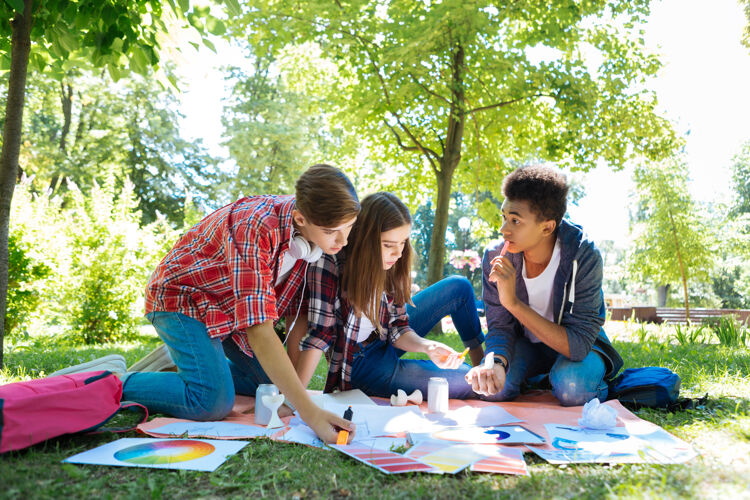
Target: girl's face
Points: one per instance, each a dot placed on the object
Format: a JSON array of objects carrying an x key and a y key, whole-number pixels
[{"x": 392, "y": 244}]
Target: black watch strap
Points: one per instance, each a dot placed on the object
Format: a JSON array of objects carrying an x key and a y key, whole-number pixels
[{"x": 501, "y": 361}]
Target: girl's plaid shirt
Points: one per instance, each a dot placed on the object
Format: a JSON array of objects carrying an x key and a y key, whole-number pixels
[
  {"x": 223, "y": 270},
  {"x": 332, "y": 322}
]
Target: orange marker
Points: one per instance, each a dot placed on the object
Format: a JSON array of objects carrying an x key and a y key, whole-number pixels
[
  {"x": 460, "y": 356},
  {"x": 344, "y": 435}
]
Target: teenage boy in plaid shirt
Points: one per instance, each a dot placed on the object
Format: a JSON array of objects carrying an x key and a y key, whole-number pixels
[{"x": 215, "y": 297}]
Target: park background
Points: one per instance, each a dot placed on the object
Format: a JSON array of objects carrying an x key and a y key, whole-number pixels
[{"x": 140, "y": 118}]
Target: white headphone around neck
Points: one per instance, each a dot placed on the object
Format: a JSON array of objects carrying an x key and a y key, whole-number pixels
[{"x": 299, "y": 248}]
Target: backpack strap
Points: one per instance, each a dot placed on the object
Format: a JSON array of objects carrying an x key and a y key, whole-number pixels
[
  {"x": 687, "y": 404},
  {"x": 125, "y": 406}
]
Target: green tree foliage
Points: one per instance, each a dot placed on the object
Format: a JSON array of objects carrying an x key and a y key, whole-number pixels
[
  {"x": 746, "y": 32},
  {"x": 89, "y": 128},
  {"x": 741, "y": 181},
  {"x": 276, "y": 127},
  {"x": 109, "y": 264},
  {"x": 450, "y": 93},
  {"x": 273, "y": 135},
  {"x": 672, "y": 242},
  {"x": 98, "y": 254},
  {"x": 731, "y": 279},
  {"x": 24, "y": 271},
  {"x": 117, "y": 35}
]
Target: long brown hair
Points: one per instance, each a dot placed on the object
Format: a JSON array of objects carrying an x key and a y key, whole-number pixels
[{"x": 364, "y": 279}]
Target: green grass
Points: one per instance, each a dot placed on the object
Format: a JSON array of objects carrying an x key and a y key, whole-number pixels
[{"x": 720, "y": 431}]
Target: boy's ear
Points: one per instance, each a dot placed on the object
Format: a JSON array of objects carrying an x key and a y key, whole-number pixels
[
  {"x": 548, "y": 227},
  {"x": 298, "y": 218}
]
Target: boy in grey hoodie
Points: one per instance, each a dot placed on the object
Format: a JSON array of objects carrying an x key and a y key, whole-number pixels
[{"x": 543, "y": 298}]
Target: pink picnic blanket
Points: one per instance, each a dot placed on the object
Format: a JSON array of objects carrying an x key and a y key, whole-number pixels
[{"x": 534, "y": 409}]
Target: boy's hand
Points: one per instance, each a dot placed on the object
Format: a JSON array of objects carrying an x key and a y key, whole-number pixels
[
  {"x": 443, "y": 356},
  {"x": 503, "y": 274},
  {"x": 327, "y": 425},
  {"x": 486, "y": 381}
]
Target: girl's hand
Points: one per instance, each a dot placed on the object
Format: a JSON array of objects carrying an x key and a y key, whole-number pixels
[{"x": 443, "y": 356}]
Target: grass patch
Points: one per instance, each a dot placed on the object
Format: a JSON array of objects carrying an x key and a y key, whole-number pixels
[{"x": 720, "y": 430}]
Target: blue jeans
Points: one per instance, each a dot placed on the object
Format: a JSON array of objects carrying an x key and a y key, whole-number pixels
[
  {"x": 573, "y": 382},
  {"x": 210, "y": 372},
  {"x": 378, "y": 369}
]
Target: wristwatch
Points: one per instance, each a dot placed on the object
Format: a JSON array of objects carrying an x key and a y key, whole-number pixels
[{"x": 501, "y": 361}]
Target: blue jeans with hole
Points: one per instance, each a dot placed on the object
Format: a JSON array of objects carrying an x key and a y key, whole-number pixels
[
  {"x": 378, "y": 369},
  {"x": 573, "y": 382},
  {"x": 209, "y": 372}
]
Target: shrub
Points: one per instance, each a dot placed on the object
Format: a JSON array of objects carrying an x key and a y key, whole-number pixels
[
  {"x": 689, "y": 334},
  {"x": 111, "y": 262},
  {"x": 731, "y": 332},
  {"x": 99, "y": 259},
  {"x": 23, "y": 275}
]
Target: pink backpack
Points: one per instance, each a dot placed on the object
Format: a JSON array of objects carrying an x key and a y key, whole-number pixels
[{"x": 33, "y": 411}]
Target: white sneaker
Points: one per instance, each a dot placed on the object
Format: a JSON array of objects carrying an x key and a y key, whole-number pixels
[
  {"x": 113, "y": 362},
  {"x": 158, "y": 360}
]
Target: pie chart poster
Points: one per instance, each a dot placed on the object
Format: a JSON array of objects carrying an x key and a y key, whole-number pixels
[{"x": 187, "y": 454}]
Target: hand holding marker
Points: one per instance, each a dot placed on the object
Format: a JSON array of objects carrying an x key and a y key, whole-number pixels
[{"x": 344, "y": 435}]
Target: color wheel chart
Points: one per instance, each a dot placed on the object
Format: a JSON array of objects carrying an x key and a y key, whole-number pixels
[
  {"x": 185, "y": 454},
  {"x": 165, "y": 452}
]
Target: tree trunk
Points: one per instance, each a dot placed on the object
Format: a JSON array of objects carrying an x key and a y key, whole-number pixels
[
  {"x": 19, "y": 61},
  {"x": 439, "y": 227},
  {"x": 683, "y": 273},
  {"x": 661, "y": 295},
  {"x": 66, "y": 100},
  {"x": 449, "y": 162}
]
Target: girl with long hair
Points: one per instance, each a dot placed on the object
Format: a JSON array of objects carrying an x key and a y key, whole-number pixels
[{"x": 360, "y": 312}]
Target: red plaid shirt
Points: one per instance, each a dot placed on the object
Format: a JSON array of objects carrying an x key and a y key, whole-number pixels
[
  {"x": 224, "y": 269},
  {"x": 333, "y": 323}
]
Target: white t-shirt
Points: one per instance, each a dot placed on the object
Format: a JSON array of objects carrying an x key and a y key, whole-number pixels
[
  {"x": 365, "y": 326},
  {"x": 287, "y": 263},
  {"x": 540, "y": 289}
]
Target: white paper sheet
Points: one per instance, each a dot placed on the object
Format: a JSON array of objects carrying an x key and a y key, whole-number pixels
[
  {"x": 381, "y": 420},
  {"x": 214, "y": 429},
  {"x": 301, "y": 433},
  {"x": 467, "y": 416},
  {"x": 630, "y": 444},
  {"x": 508, "y": 434},
  {"x": 351, "y": 397}
]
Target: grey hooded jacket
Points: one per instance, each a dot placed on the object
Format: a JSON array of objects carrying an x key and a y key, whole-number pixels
[{"x": 578, "y": 300}]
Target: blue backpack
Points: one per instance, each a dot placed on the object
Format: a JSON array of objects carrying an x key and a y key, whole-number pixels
[{"x": 651, "y": 387}]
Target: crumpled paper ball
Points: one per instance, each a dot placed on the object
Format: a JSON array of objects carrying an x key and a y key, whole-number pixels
[{"x": 597, "y": 416}]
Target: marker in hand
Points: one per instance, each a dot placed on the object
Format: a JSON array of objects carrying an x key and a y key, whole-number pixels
[
  {"x": 344, "y": 435},
  {"x": 463, "y": 354},
  {"x": 460, "y": 356}
]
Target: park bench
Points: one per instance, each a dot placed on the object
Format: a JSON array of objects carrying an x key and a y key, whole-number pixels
[
  {"x": 698, "y": 315},
  {"x": 650, "y": 314}
]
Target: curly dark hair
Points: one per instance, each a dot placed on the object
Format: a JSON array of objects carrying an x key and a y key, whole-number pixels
[{"x": 544, "y": 187}]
